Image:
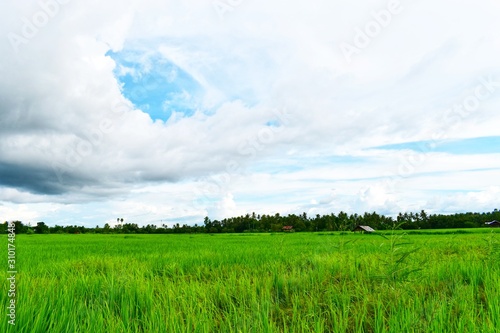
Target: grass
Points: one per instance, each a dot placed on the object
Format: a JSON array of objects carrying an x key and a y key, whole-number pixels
[{"x": 299, "y": 282}]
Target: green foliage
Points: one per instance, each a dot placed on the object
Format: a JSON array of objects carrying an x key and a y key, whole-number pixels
[
  {"x": 274, "y": 223},
  {"x": 41, "y": 228},
  {"x": 296, "y": 282}
]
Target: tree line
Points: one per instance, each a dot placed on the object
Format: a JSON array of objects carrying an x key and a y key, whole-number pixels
[{"x": 274, "y": 223}]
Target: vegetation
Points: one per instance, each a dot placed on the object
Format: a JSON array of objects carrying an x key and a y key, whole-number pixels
[
  {"x": 272, "y": 223},
  {"x": 266, "y": 282}
]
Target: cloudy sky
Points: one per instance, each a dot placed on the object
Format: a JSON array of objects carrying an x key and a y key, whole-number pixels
[{"x": 169, "y": 111}]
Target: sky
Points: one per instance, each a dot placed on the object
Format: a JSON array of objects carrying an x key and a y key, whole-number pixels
[{"x": 164, "y": 112}]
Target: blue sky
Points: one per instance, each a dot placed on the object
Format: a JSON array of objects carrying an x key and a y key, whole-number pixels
[
  {"x": 167, "y": 111},
  {"x": 468, "y": 146},
  {"x": 155, "y": 85}
]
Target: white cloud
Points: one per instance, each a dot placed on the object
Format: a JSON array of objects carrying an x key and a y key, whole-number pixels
[{"x": 485, "y": 200}]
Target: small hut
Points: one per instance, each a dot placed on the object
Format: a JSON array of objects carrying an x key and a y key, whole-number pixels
[
  {"x": 493, "y": 224},
  {"x": 287, "y": 228},
  {"x": 363, "y": 228}
]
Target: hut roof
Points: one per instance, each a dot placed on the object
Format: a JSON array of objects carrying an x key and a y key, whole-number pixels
[{"x": 364, "y": 228}]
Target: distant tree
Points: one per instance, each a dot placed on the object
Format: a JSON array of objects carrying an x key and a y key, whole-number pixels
[
  {"x": 41, "y": 228},
  {"x": 19, "y": 227},
  {"x": 207, "y": 223},
  {"x": 57, "y": 229},
  {"x": 118, "y": 228},
  {"x": 148, "y": 229},
  {"x": 4, "y": 227},
  {"x": 130, "y": 228}
]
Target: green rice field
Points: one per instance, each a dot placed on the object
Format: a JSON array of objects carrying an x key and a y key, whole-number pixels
[{"x": 420, "y": 281}]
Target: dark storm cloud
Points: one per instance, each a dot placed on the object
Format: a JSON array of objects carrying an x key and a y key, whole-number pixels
[{"x": 34, "y": 179}]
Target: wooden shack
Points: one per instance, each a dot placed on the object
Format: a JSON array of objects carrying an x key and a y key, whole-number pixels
[
  {"x": 363, "y": 229},
  {"x": 493, "y": 224}
]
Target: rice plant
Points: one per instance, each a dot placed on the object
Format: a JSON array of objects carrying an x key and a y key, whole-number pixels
[{"x": 295, "y": 282}]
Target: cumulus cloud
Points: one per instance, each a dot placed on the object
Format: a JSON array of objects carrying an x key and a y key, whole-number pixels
[{"x": 482, "y": 200}]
